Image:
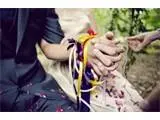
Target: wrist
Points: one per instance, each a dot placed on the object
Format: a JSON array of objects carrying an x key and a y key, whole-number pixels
[{"x": 155, "y": 35}]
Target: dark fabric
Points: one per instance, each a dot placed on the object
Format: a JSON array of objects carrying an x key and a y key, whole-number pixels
[
  {"x": 52, "y": 28},
  {"x": 38, "y": 94},
  {"x": 8, "y": 18},
  {"x": 24, "y": 85},
  {"x": 41, "y": 23}
]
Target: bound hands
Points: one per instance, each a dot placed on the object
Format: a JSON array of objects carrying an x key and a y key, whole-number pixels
[{"x": 104, "y": 54}]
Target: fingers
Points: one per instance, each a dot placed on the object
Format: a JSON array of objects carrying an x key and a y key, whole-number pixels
[
  {"x": 100, "y": 67},
  {"x": 113, "y": 67},
  {"x": 135, "y": 42},
  {"x": 139, "y": 47},
  {"x": 132, "y": 44},
  {"x": 116, "y": 58},
  {"x": 105, "y": 54},
  {"x": 102, "y": 58},
  {"x": 112, "y": 43},
  {"x": 110, "y": 59},
  {"x": 132, "y": 47},
  {"x": 108, "y": 49},
  {"x": 136, "y": 37},
  {"x": 138, "y": 42},
  {"x": 104, "y": 63},
  {"x": 132, "y": 38},
  {"x": 139, "y": 37},
  {"x": 97, "y": 71},
  {"x": 115, "y": 42},
  {"x": 109, "y": 35},
  {"x": 136, "y": 45},
  {"x": 107, "y": 38}
]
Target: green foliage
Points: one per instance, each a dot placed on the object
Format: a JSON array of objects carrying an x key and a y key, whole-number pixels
[
  {"x": 127, "y": 21},
  {"x": 152, "y": 19}
]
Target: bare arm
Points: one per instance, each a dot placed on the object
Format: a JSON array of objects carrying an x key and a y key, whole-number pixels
[{"x": 55, "y": 51}]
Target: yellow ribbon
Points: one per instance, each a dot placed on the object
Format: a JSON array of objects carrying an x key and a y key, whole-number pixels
[{"x": 84, "y": 40}]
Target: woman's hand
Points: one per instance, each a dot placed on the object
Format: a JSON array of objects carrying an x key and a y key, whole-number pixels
[{"x": 103, "y": 54}]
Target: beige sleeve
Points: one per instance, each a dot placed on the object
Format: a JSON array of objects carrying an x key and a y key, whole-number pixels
[{"x": 74, "y": 20}]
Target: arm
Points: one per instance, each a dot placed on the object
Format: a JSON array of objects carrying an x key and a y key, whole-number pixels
[
  {"x": 51, "y": 38},
  {"x": 55, "y": 51},
  {"x": 138, "y": 42}
]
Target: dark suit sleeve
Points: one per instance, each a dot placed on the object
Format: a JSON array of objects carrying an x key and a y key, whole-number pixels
[{"x": 52, "y": 30}]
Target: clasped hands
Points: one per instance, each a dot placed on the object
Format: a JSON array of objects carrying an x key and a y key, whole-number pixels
[{"x": 104, "y": 55}]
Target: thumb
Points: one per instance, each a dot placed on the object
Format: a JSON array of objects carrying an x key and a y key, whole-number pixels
[
  {"x": 145, "y": 43},
  {"x": 132, "y": 38},
  {"x": 110, "y": 35},
  {"x": 138, "y": 48}
]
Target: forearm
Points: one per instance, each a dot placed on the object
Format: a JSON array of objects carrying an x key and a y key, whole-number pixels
[
  {"x": 55, "y": 51},
  {"x": 155, "y": 35}
]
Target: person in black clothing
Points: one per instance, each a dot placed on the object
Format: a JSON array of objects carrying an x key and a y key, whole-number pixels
[{"x": 24, "y": 85}]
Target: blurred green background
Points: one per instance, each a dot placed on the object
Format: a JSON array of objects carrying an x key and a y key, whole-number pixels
[{"x": 127, "y": 21}]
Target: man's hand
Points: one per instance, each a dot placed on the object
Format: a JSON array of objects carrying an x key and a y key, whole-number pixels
[
  {"x": 138, "y": 42},
  {"x": 103, "y": 54}
]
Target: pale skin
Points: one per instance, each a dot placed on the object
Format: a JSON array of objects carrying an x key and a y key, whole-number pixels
[{"x": 103, "y": 54}]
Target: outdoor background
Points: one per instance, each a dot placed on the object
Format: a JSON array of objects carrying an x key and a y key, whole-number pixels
[{"x": 141, "y": 69}]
